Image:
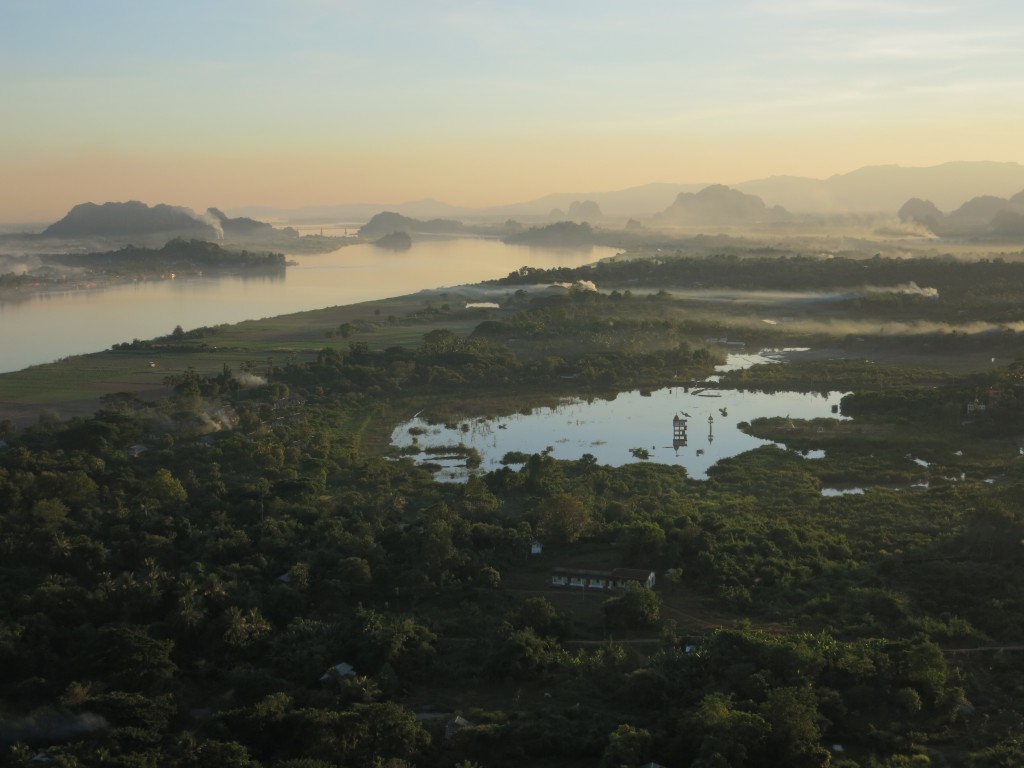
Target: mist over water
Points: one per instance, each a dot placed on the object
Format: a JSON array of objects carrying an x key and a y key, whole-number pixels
[{"x": 46, "y": 327}]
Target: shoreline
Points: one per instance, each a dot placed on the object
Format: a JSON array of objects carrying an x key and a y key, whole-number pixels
[
  {"x": 33, "y": 271},
  {"x": 99, "y": 280},
  {"x": 73, "y": 385}
]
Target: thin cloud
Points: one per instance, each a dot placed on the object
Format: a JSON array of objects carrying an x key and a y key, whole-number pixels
[
  {"x": 1003, "y": 86},
  {"x": 907, "y": 46},
  {"x": 940, "y": 46},
  {"x": 804, "y": 7}
]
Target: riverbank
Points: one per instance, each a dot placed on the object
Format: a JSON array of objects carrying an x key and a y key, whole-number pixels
[
  {"x": 75, "y": 385},
  {"x": 61, "y": 282},
  {"x": 909, "y": 353}
]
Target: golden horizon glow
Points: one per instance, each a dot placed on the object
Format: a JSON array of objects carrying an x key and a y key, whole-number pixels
[{"x": 329, "y": 103}]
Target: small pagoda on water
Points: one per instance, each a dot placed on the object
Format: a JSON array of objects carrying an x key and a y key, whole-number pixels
[{"x": 678, "y": 431}]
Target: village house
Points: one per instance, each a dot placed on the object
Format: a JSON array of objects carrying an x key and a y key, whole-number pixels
[
  {"x": 338, "y": 672},
  {"x": 617, "y": 578},
  {"x": 455, "y": 725}
]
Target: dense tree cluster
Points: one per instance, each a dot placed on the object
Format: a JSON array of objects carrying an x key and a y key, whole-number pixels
[
  {"x": 989, "y": 288},
  {"x": 561, "y": 234},
  {"x": 177, "y": 254},
  {"x": 186, "y": 606}
]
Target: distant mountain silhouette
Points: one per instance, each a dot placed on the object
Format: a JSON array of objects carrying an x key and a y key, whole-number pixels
[
  {"x": 872, "y": 189},
  {"x": 643, "y": 201},
  {"x": 982, "y": 215},
  {"x": 132, "y": 218},
  {"x": 880, "y": 188},
  {"x": 1008, "y": 223},
  {"x": 388, "y": 221},
  {"x": 976, "y": 214},
  {"x": 924, "y": 212},
  {"x": 584, "y": 210},
  {"x": 718, "y": 204}
]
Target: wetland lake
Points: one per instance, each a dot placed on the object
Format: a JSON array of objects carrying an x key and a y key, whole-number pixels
[{"x": 617, "y": 431}]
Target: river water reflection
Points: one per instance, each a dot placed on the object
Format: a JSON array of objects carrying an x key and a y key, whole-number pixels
[
  {"x": 610, "y": 429},
  {"x": 42, "y": 328}
]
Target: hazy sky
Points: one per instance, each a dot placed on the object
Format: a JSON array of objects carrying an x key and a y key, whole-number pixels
[{"x": 294, "y": 102}]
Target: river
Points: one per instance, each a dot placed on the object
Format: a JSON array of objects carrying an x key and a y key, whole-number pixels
[{"x": 45, "y": 327}]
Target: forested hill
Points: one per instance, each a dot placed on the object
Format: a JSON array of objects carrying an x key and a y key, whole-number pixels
[
  {"x": 560, "y": 234},
  {"x": 386, "y": 223},
  {"x": 130, "y": 218},
  {"x": 718, "y": 204}
]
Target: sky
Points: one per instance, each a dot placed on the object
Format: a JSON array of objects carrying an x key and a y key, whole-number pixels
[{"x": 287, "y": 103}]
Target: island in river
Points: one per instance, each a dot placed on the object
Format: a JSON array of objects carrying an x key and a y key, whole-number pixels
[{"x": 178, "y": 257}]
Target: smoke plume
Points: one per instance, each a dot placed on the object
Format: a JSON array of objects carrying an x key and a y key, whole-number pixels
[
  {"x": 51, "y": 727},
  {"x": 211, "y": 220},
  {"x": 249, "y": 379}
]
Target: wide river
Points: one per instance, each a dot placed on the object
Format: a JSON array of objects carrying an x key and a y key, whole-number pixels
[{"x": 46, "y": 327}]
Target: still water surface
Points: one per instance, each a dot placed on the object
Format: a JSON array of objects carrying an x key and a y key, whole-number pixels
[
  {"x": 610, "y": 429},
  {"x": 46, "y": 327}
]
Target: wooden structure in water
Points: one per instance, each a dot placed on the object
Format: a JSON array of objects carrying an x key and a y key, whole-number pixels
[{"x": 678, "y": 431}]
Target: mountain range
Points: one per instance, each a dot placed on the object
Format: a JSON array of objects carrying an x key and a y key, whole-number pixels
[
  {"x": 983, "y": 215},
  {"x": 984, "y": 199},
  {"x": 872, "y": 189}
]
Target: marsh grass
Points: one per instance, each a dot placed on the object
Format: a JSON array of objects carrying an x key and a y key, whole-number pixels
[{"x": 863, "y": 452}]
